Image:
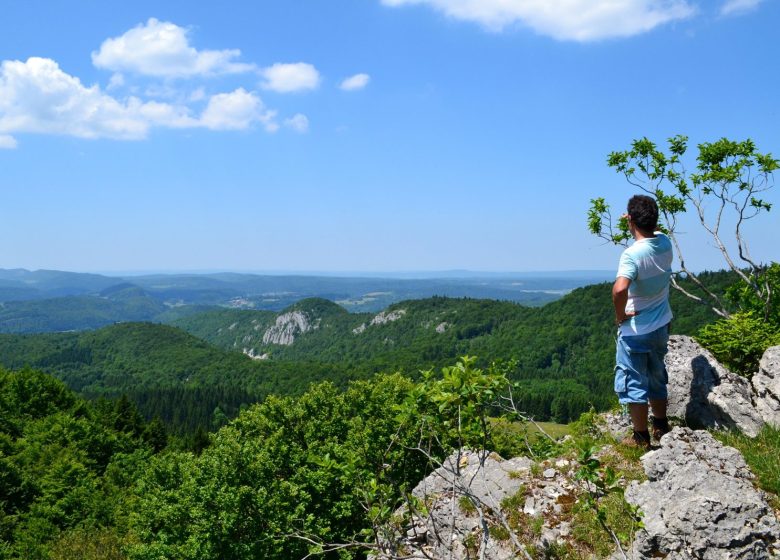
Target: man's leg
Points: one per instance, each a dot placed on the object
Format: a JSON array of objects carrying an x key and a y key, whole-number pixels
[
  {"x": 657, "y": 382},
  {"x": 638, "y": 412},
  {"x": 631, "y": 385},
  {"x": 658, "y": 406}
]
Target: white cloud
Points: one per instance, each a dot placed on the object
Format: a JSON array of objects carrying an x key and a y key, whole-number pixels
[
  {"x": 162, "y": 91},
  {"x": 162, "y": 49},
  {"x": 358, "y": 81},
  {"x": 734, "y": 7},
  {"x": 298, "y": 122},
  {"x": 7, "y": 142},
  {"x": 237, "y": 111},
  {"x": 574, "y": 20},
  {"x": 286, "y": 78},
  {"x": 117, "y": 80},
  {"x": 38, "y": 97}
]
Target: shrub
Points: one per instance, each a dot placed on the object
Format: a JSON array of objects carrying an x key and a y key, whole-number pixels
[{"x": 739, "y": 341}]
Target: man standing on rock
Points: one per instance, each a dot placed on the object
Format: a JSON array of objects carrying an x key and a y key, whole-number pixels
[{"x": 641, "y": 298}]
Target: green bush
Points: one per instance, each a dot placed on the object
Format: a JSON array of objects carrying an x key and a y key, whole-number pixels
[{"x": 739, "y": 341}]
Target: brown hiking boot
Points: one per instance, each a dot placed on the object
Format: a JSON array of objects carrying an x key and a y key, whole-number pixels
[
  {"x": 660, "y": 428},
  {"x": 637, "y": 439}
]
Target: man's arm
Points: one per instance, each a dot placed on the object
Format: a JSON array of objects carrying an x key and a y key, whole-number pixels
[{"x": 620, "y": 299}]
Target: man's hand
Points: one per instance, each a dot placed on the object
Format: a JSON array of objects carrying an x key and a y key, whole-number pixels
[
  {"x": 620, "y": 299},
  {"x": 624, "y": 317}
]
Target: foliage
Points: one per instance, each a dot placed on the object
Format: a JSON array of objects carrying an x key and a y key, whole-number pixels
[
  {"x": 66, "y": 467},
  {"x": 94, "y": 544},
  {"x": 163, "y": 370},
  {"x": 739, "y": 341},
  {"x": 742, "y": 295},
  {"x": 285, "y": 468},
  {"x": 729, "y": 178},
  {"x": 453, "y": 409},
  {"x": 77, "y": 312},
  {"x": 602, "y": 507}
]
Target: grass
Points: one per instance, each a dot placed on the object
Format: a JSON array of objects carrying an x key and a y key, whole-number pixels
[
  {"x": 556, "y": 431},
  {"x": 587, "y": 530},
  {"x": 466, "y": 505},
  {"x": 512, "y": 439},
  {"x": 761, "y": 453},
  {"x": 514, "y": 502}
]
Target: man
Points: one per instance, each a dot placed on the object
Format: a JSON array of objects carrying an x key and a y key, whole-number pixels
[{"x": 641, "y": 299}]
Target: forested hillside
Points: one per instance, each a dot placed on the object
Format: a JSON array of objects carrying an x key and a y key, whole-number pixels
[
  {"x": 166, "y": 371},
  {"x": 561, "y": 354}
]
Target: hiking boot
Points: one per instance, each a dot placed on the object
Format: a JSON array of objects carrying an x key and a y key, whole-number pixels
[
  {"x": 638, "y": 439},
  {"x": 660, "y": 428}
]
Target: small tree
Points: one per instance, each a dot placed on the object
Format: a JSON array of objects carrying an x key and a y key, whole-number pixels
[{"x": 730, "y": 179}]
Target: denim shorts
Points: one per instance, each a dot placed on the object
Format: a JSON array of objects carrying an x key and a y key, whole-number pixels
[{"x": 640, "y": 372}]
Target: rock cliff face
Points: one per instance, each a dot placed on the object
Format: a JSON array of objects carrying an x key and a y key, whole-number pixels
[
  {"x": 287, "y": 327},
  {"x": 472, "y": 490},
  {"x": 381, "y": 319}
]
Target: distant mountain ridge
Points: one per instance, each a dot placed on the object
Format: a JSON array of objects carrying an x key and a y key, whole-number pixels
[{"x": 52, "y": 301}]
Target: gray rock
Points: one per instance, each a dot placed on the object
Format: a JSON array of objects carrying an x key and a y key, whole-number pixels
[
  {"x": 287, "y": 327},
  {"x": 766, "y": 385},
  {"x": 487, "y": 477},
  {"x": 385, "y": 317},
  {"x": 699, "y": 503},
  {"x": 618, "y": 425},
  {"x": 449, "y": 529},
  {"x": 704, "y": 393}
]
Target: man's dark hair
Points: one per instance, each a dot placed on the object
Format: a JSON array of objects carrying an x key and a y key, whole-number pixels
[{"x": 644, "y": 212}]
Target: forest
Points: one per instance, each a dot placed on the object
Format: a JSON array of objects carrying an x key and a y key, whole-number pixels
[
  {"x": 561, "y": 353},
  {"x": 141, "y": 441}
]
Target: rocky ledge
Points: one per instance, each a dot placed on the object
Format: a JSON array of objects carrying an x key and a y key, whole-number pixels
[{"x": 697, "y": 501}]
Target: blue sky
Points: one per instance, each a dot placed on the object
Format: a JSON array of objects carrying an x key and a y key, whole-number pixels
[{"x": 365, "y": 135}]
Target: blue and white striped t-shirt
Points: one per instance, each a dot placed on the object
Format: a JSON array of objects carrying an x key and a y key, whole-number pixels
[{"x": 648, "y": 264}]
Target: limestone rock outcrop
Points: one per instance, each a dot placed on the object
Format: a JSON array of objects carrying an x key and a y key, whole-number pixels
[
  {"x": 287, "y": 327},
  {"x": 766, "y": 385},
  {"x": 704, "y": 393},
  {"x": 699, "y": 503},
  {"x": 385, "y": 317},
  {"x": 472, "y": 491}
]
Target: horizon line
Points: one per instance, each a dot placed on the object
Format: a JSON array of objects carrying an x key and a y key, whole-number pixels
[{"x": 314, "y": 272}]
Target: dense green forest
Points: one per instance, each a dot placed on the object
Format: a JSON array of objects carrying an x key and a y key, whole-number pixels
[
  {"x": 561, "y": 353},
  {"x": 93, "y": 481},
  {"x": 102, "y": 478},
  {"x": 65, "y": 464},
  {"x": 165, "y": 371}
]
